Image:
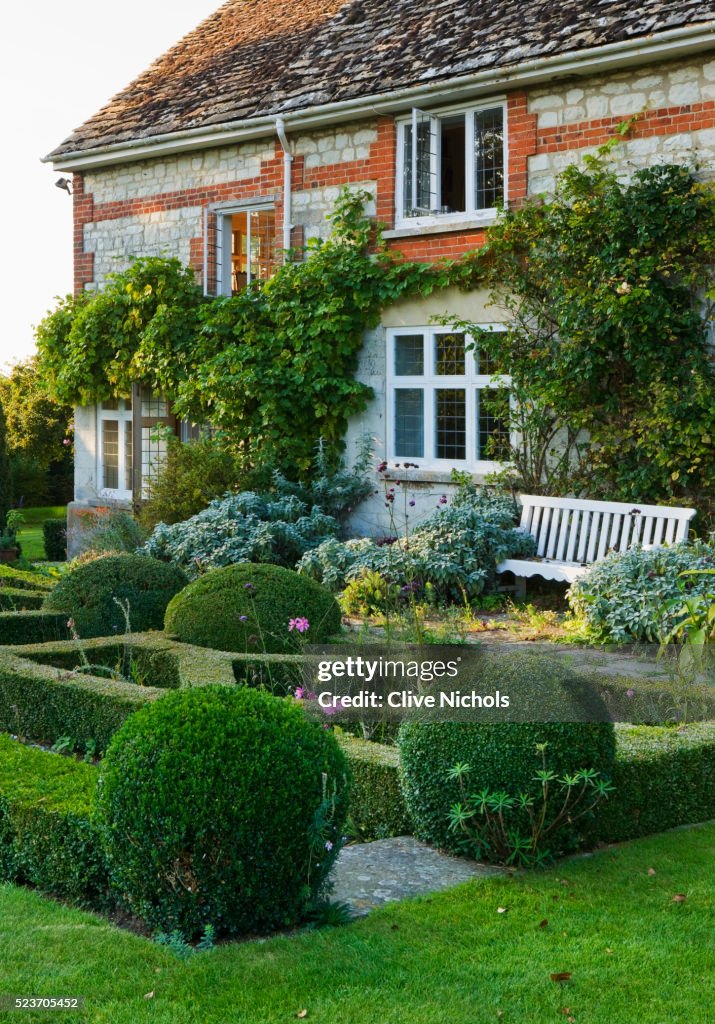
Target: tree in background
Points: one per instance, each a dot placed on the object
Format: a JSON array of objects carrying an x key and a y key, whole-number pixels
[
  {"x": 38, "y": 441},
  {"x": 5, "y": 472}
]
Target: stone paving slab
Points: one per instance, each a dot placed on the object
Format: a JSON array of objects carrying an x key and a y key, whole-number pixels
[{"x": 369, "y": 875}]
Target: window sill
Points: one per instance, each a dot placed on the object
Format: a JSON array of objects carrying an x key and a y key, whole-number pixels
[
  {"x": 436, "y": 476},
  {"x": 437, "y": 226}
]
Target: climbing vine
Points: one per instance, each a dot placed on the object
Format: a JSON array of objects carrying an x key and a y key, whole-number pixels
[{"x": 272, "y": 367}]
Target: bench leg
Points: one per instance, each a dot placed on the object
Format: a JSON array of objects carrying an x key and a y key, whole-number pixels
[{"x": 520, "y": 588}]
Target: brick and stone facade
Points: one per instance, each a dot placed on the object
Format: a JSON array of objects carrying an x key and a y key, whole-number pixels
[{"x": 157, "y": 206}]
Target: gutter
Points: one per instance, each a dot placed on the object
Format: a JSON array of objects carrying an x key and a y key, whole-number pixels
[{"x": 668, "y": 45}]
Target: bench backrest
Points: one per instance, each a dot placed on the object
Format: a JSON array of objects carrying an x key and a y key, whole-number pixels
[{"x": 582, "y": 531}]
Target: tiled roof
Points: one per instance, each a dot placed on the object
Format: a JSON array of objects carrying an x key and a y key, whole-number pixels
[{"x": 255, "y": 58}]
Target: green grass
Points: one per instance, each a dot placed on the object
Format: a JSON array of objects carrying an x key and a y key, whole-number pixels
[
  {"x": 30, "y": 536},
  {"x": 634, "y": 953}
]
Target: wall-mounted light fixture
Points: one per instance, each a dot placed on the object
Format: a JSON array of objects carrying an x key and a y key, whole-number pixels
[{"x": 65, "y": 184}]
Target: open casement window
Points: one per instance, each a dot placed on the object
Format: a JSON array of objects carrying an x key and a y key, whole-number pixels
[
  {"x": 452, "y": 164},
  {"x": 447, "y": 402},
  {"x": 246, "y": 245}
]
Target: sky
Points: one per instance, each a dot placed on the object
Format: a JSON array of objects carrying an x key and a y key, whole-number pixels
[{"x": 59, "y": 63}]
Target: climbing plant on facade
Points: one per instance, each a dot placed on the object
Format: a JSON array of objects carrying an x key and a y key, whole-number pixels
[
  {"x": 273, "y": 367},
  {"x": 608, "y": 289}
]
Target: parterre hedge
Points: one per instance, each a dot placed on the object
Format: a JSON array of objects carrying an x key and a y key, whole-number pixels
[
  {"x": 377, "y": 806},
  {"x": 46, "y": 837},
  {"x": 32, "y": 627},
  {"x": 11, "y": 577},
  {"x": 17, "y": 599}
]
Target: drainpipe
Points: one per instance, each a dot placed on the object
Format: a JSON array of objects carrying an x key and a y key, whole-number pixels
[{"x": 287, "y": 161}]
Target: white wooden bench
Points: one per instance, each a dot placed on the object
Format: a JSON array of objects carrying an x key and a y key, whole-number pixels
[{"x": 572, "y": 533}]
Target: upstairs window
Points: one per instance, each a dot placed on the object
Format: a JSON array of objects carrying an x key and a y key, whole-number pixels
[
  {"x": 447, "y": 402},
  {"x": 247, "y": 248},
  {"x": 451, "y": 164}
]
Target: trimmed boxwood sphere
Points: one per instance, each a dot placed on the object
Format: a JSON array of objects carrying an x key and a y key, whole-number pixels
[
  {"x": 221, "y": 806},
  {"x": 248, "y": 607},
  {"x": 502, "y": 755},
  {"x": 86, "y": 594}
]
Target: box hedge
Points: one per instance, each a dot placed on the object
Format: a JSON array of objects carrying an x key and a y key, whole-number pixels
[
  {"x": 377, "y": 806},
  {"x": 54, "y": 533},
  {"x": 11, "y": 577},
  {"x": 46, "y": 837},
  {"x": 18, "y": 599},
  {"x": 32, "y": 627}
]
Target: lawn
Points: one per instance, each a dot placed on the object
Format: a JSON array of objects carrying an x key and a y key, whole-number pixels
[
  {"x": 635, "y": 954},
  {"x": 30, "y": 536}
]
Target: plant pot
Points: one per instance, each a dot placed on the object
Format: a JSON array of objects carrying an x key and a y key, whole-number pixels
[{"x": 8, "y": 554}]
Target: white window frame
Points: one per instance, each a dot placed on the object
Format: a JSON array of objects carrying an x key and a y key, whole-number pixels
[
  {"x": 123, "y": 416},
  {"x": 471, "y": 382},
  {"x": 224, "y": 226},
  {"x": 472, "y": 212}
]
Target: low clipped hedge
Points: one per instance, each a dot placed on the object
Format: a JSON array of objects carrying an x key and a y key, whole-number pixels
[
  {"x": 17, "y": 599},
  {"x": 248, "y": 608},
  {"x": 221, "y": 806},
  {"x": 88, "y": 594},
  {"x": 377, "y": 806},
  {"x": 32, "y": 627},
  {"x": 20, "y": 578},
  {"x": 502, "y": 757},
  {"x": 46, "y": 836},
  {"x": 42, "y": 703},
  {"x": 664, "y": 776}
]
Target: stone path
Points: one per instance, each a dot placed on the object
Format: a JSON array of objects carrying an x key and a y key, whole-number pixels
[{"x": 368, "y": 875}]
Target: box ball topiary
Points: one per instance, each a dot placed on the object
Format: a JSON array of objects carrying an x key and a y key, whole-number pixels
[
  {"x": 222, "y": 806},
  {"x": 88, "y": 594},
  {"x": 249, "y": 607},
  {"x": 502, "y": 755}
]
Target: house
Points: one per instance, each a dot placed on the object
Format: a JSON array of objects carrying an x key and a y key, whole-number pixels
[{"x": 235, "y": 143}]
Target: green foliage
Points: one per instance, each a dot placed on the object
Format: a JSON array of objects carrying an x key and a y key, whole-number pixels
[
  {"x": 501, "y": 755},
  {"x": 12, "y": 577},
  {"x": 112, "y": 532},
  {"x": 89, "y": 593},
  {"x": 40, "y": 703},
  {"x": 193, "y": 474},
  {"x": 454, "y": 552},
  {"x": 377, "y": 806},
  {"x": 272, "y": 368},
  {"x": 246, "y": 527},
  {"x": 18, "y": 599},
  {"x": 39, "y": 435},
  {"x": 369, "y": 593},
  {"x": 249, "y": 608},
  {"x": 140, "y": 327},
  {"x": 603, "y": 284},
  {"x": 46, "y": 839},
  {"x": 54, "y": 533},
  {"x": 221, "y": 806},
  {"x": 331, "y": 486},
  {"x": 32, "y": 627},
  {"x": 664, "y": 777},
  {"x": 524, "y": 828},
  {"x": 5, "y": 472},
  {"x": 636, "y": 595}
]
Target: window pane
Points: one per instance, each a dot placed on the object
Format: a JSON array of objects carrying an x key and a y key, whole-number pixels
[
  {"x": 451, "y": 423},
  {"x": 423, "y": 200},
  {"x": 110, "y": 404},
  {"x": 492, "y": 423},
  {"x": 488, "y": 364},
  {"x": 409, "y": 355},
  {"x": 110, "y": 454},
  {"x": 153, "y": 405},
  {"x": 153, "y": 454},
  {"x": 449, "y": 355},
  {"x": 263, "y": 244},
  {"x": 452, "y": 164},
  {"x": 409, "y": 422},
  {"x": 128, "y": 456},
  {"x": 488, "y": 158}
]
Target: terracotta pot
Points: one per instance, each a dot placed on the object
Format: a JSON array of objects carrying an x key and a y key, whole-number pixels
[{"x": 8, "y": 554}]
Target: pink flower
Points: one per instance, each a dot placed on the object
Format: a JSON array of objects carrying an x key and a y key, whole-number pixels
[
  {"x": 298, "y": 694},
  {"x": 300, "y": 624}
]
